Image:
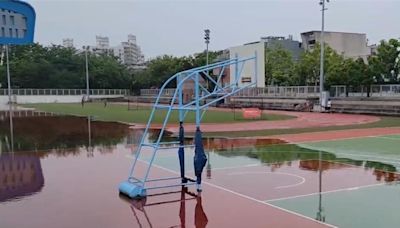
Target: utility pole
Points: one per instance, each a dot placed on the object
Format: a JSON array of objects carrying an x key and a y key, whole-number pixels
[
  {"x": 87, "y": 72},
  {"x": 321, "y": 72}
]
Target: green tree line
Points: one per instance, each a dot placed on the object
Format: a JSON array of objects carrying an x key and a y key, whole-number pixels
[
  {"x": 379, "y": 68},
  {"x": 38, "y": 66}
]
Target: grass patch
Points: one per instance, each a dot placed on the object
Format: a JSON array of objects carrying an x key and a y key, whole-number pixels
[
  {"x": 384, "y": 122},
  {"x": 118, "y": 112}
]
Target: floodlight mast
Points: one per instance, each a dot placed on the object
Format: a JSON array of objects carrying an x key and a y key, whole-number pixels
[
  {"x": 207, "y": 41},
  {"x": 321, "y": 72}
]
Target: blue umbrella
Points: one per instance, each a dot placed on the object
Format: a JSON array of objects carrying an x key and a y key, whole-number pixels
[{"x": 200, "y": 157}]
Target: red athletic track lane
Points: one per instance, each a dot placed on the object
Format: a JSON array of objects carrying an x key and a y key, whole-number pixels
[
  {"x": 336, "y": 135},
  {"x": 302, "y": 120}
]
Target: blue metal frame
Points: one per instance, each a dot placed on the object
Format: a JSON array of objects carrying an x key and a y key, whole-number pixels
[
  {"x": 137, "y": 187},
  {"x": 26, "y": 10}
]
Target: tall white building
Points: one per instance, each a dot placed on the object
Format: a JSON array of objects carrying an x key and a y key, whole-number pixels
[
  {"x": 129, "y": 52},
  {"x": 102, "y": 45},
  {"x": 102, "y": 42},
  {"x": 68, "y": 43}
]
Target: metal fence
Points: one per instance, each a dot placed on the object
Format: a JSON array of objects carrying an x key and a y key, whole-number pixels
[
  {"x": 281, "y": 91},
  {"x": 154, "y": 92},
  {"x": 392, "y": 90},
  {"x": 270, "y": 91},
  {"x": 64, "y": 92}
]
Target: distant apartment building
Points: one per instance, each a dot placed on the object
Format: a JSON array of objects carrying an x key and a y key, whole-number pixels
[
  {"x": 350, "y": 45},
  {"x": 12, "y": 24},
  {"x": 68, "y": 43},
  {"x": 129, "y": 52},
  {"x": 102, "y": 42},
  {"x": 102, "y": 45}
]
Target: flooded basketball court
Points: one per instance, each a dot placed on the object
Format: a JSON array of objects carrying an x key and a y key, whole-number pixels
[{"x": 58, "y": 171}]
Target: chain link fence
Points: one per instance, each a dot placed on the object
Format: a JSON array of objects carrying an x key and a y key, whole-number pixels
[{"x": 64, "y": 92}]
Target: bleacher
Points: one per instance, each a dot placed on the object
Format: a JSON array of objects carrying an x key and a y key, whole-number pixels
[
  {"x": 367, "y": 106},
  {"x": 289, "y": 104}
]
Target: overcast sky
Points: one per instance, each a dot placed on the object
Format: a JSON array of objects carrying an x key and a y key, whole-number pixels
[{"x": 176, "y": 26}]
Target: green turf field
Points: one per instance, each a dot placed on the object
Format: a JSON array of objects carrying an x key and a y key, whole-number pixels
[{"x": 120, "y": 112}]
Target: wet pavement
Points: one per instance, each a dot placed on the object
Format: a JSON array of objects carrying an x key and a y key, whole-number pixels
[{"x": 64, "y": 172}]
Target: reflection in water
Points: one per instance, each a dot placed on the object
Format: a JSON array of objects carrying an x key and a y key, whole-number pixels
[
  {"x": 20, "y": 175},
  {"x": 208, "y": 167},
  {"x": 90, "y": 148},
  {"x": 60, "y": 134},
  {"x": 141, "y": 205},
  {"x": 278, "y": 155},
  {"x": 320, "y": 212}
]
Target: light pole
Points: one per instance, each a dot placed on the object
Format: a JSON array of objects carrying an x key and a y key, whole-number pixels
[
  {"x": 321, "y": 72},
  {"x": 87, "y": 72},
  {"x": 397, "y": 63},
  {"x": 207, "y": 41}
]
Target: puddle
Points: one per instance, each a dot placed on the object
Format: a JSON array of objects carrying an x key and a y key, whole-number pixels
[{"x": 58, "y": 171}]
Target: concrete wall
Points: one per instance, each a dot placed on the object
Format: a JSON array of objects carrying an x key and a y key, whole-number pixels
[
  {"x": 51, "y": 98},
  {"x": 351, "y": 45},
  {"x": 293, "y": 46},
  {"x": 246, "y": 51}
]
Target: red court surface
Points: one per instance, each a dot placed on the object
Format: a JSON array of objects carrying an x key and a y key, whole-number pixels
[
  {"x": 82, "y": 191},
  {"x": 302, "y": 120},
  {"x": 218, "y": 207}
]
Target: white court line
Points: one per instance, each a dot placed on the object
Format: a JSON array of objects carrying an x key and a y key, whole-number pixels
[
  {"x": 246, "y": 197},
  {"x": 327, "y": 192},
  {"x": 303, "y": 180}
]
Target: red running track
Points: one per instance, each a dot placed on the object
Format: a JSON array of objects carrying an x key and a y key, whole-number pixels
[{"x": 302, "y": 120}]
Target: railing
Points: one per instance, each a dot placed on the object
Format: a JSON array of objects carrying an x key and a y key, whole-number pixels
[
  {"x": 281, "y": 91},
  {"x": 392, "y": 90},
  {"x": 64, "y": 92},
  {"x": 270, "y": 91},
  {"x": 155, "y": 92}
]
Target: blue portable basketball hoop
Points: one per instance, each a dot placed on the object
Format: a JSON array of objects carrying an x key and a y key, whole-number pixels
[
  {"x": 17, "y": 27},
  {"x": 204, "y": 96},
  {"x": 17, "y": 22}
]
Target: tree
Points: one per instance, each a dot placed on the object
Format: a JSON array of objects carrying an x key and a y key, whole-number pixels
[
  {"x": 163, "y": 67},
  {"x": 307, "y": 70},
  {"x": 383, "y": 63},
  {"x": 36, "y": 66},
  {"x": 279, "y": 67}
]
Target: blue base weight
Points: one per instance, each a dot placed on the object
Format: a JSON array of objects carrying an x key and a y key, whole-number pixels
[{"x": 132, "y": 190}]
